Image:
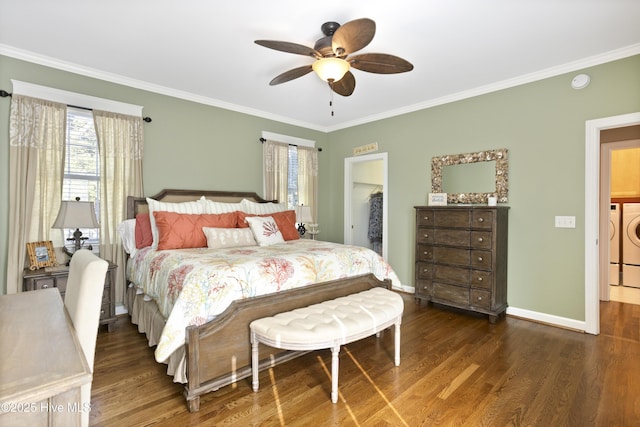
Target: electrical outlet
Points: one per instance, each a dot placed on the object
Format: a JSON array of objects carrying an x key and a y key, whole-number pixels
[{"x": 565, "y": 222}]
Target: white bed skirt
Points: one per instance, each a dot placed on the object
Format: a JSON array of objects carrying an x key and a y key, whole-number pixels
[{"x": 150, "y": 322}]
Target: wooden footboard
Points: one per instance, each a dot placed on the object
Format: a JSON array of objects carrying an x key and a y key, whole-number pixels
[{"x": 219, "y": 352}]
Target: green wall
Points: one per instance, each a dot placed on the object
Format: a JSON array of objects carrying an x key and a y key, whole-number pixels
[
  {"x": 188, "y": 145},
  {"x": 542, "y": 124}
]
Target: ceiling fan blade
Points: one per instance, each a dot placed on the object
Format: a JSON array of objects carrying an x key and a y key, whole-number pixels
[
  {"x": 291, "y": 74},
  {"x": 345, "y": 86},
  {"x": 380, "y": 63},
  {"x": 288, "y": 47},
  {"x": 353, "y": 36}
]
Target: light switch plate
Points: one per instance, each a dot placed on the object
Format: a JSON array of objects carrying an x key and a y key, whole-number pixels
[{"x": 565, "y": 222}]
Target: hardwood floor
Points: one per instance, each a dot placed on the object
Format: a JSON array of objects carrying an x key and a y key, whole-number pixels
[{"x": 456, "y": 369}]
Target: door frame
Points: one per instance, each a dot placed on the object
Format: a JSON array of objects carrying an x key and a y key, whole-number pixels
[
  {"x": 348, "y": 185},
  {"x": 595, "y": 212}
]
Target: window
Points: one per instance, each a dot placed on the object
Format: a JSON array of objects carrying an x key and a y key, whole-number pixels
[
  {"x": 82, "y": 165},
  {"x": 292, "y": 178}
]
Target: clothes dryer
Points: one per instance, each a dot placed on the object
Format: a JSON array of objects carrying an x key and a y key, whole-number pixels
[
  {"x": 614, "y": 244},
  {"x": 631, "y": 244}
]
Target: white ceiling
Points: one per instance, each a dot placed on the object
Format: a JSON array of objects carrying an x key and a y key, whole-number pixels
[{"x": 203, "y": 50}]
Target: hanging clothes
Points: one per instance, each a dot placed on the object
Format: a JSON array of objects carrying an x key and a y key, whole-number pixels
[{"x": 375, "y": 221}]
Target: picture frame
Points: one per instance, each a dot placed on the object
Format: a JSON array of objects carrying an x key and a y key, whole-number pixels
[
  {"x": 41, "y": 255},
  {"x": 437, "y": 199}
]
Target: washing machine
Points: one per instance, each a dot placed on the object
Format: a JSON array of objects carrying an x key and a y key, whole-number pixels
[
  {"x": 631, "y": 244},
  {"x": 614, "y": 244}
]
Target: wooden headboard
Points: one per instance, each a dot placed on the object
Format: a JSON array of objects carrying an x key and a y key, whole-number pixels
[{"x": 136, "y": 205}]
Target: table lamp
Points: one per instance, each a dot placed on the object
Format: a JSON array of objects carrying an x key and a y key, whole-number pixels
[
  {"x": 76, "y": 214},
  {"x": 303, "y": 214}
]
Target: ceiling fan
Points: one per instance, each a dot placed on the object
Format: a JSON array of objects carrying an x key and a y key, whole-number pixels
[{"x": 332, "y": 56}]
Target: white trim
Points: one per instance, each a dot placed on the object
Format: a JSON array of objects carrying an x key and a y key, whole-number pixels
[
  {"x": 348, "y": 178},
  {"x": 48, "y": 61},
  {"x": 286, "y": 139},
  {"x": 592, "y": 214},
  {"x": 545, "y": 318},
  {"x": 76, "y": 99}
]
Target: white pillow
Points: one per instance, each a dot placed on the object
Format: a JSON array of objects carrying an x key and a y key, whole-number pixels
[
  {"x": 228, "y": 237},
  {"x": 127, "y": 231},
  {"x": 265, "y": 230},
  {"x": 195, "y": 207},
  {"x": 212, "y": 207},
  {"x": 261, "y": 208}
]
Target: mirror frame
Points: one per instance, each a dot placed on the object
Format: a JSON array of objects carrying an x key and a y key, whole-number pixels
[{"x": 500, "y": 156}]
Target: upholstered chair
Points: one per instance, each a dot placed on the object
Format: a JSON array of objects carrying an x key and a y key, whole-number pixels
[{"x": 83, "y": 299}]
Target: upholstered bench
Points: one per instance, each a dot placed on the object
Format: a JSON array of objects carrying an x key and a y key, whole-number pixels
[{"x": 329, "y": 324}]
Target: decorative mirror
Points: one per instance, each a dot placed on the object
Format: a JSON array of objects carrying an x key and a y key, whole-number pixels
[{"x": 471, "y": 177}]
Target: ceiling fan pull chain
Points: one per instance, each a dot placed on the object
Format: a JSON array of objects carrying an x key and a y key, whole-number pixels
[{"x": 331, "y": 98}]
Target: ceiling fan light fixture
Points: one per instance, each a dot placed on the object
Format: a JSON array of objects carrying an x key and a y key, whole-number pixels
[{"x": 331, "y": 69}]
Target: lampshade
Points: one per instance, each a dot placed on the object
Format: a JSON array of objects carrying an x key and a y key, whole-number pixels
[
  {"x": 331, "y": 69},
  {"x": 76, "y": 214},
  {"x": 303, "y": 214}
]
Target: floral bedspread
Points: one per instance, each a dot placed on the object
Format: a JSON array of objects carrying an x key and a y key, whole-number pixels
[{"x": 192, "y": 286}]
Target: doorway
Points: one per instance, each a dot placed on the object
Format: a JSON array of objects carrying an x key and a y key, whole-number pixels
[
  {"x": 597, "y": 216},
  {"x": 365, "y": 188}
]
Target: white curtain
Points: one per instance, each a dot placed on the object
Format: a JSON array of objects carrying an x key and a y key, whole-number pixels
[
  {"x": 308, "y": 179},
  {"x": 36, "y": 162},
  {"x": 120, "y": 142},
  {"x": 275, "y": 156}
]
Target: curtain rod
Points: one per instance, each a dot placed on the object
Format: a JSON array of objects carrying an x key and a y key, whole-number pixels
[
  {"x": 4, "y": 94},
  {"x": 263, "y": 140}
]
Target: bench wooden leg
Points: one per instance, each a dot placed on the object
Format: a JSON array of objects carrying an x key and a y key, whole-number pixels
[
  {"x": 334, "y": 373},
  {"x": 397, "y": 343},
  {"x": 254, "y": 362}
]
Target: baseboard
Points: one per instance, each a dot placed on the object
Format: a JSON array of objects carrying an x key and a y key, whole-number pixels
[
  {"x": 547, "y": 319},
  {"x": 121, "y": 309}
]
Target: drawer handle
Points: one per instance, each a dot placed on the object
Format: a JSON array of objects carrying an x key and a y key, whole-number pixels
[
  {"x": 480, "y": 219},
  {"x": 45, "y": 286},
  {"x": 479, "y": 279},
  {"x": 425, "y": 253},
  {"x": 480, "y": 259},
  {"x": 426, "y": 218},
  {"x": 101, "y": 311},
  {"x": 426, "y": 236},
  {"x": 479, "y": 298},
  {"x": 480, "y": 239},
  {"x": 426, "y": 270}
]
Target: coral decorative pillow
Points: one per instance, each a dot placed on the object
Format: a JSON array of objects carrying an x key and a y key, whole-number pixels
[
  {"x": 144, "y": 236},
  {"x": 286, "y": 222},
  {"x": 265, "y": 230},
  {"x": 228, "y": 237},
  {"x": 181, "y": 231}
]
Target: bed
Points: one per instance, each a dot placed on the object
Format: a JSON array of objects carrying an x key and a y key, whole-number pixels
[{"x": 205, "y": 340}]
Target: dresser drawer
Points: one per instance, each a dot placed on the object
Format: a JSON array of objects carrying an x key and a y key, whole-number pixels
[
  {"x": 452, "y": 218},
  {"x": 424, "y": 217},
  {"x": 482, "y": 219},
  {"x": 457, "y": 275},
  {"x": 444, "y": 236},
  {"x": 44, "y": 283},
  {"x": 424, "y": 270},
  {"x": 481, "y": 279},
  {"x": 424, "y": 288},
  {"x": 481, "y": 239},
  {"x": 480, "y": 299},
  {"x": 481, "y": 259},
  {"x": 424, "y": 253},
  {"x": 425, "y": 235},
  {"x": 451, "y": 255},
  {"x": 454, "y": 294}
]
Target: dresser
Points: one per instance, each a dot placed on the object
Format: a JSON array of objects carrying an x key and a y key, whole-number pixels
[
  {"x": 461, "y": 257},
  {"x": 57, "y": 278}
]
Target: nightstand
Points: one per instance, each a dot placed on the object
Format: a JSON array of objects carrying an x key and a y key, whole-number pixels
[{"x": 57, "y": 278}]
